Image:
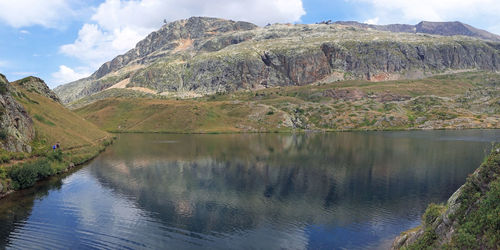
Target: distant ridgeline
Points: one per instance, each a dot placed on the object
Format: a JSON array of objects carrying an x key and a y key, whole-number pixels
[{"x": 201, "y": 56}]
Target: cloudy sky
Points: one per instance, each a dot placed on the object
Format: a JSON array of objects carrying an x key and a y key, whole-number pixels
[{"x": 64, "y": 40}]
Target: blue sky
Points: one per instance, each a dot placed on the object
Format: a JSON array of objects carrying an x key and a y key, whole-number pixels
[{"x": 64, "y": 40}]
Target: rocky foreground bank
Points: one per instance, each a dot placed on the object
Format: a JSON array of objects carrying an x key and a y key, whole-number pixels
[{"x": 469, "y": 220}]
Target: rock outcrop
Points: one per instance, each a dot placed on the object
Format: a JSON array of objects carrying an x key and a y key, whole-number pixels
[
  {"x": 468, "y": 220},
  {"x": 201, "y": 56},
  {"x": 37, "y": 85},
  {"x": 17, "y": 130}
]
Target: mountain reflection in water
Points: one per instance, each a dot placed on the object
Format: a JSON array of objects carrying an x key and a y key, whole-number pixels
[{"x": 338, "y": 190}]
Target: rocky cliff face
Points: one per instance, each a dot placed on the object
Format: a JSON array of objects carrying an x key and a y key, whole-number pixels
[
  {"x": 202, "y": 56},
  {"x": 17, "y": 129}
]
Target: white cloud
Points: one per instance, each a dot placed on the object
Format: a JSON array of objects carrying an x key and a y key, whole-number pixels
[
  {"x": 3, "y": 63},
  {"x": 117, "y": 25},
  {"x": 95, "y": 45},
  {"x": 495, "y": 28},
  {"x": 23, "y": 13},
  {"x": 372, "y": 21},
  {"x": 114, "y": 14},
  {"x": 67, "y": 74},
  {"x": 25, "y": 32},
  {"x": 409, "y": 11}
]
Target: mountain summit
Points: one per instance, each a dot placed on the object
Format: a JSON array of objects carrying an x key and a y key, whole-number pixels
[{"x": 200, "y": 56}]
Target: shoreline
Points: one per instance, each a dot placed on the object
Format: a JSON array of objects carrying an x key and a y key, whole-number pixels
[
  {"x": 69, "y": 167},
  {"x": 297, "y": 131}
]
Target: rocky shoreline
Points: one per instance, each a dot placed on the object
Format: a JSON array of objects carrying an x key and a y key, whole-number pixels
[{"x": 465, "y": 221}]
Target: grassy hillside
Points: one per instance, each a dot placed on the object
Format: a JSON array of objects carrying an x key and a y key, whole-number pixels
[
  {"x": 462, "y": 100},
  {"x": 79, "y": 141},
  {"x": 55, "y": 123}
]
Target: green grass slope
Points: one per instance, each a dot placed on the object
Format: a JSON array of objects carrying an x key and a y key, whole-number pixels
[
  {"x": 55, "y": 123},
  {"x": 79, "y": 141},
  {"x": 462, "y": 100}
]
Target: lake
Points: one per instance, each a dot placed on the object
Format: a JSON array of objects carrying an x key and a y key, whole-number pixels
[{"x": 352, "y": 190}]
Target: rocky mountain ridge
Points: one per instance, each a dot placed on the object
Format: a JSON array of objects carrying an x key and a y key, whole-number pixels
[
  {"x": 434, "y": 28},
  {"x": 201, "y": 56},
  {"x": 37, "y": 85}
]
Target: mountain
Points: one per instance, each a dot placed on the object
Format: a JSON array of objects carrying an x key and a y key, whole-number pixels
[
  {"x": 434, "y": 28},
  {"x": 201, "y": 56}
]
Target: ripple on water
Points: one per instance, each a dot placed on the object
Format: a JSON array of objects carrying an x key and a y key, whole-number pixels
[{"x": 309, "y": 191}]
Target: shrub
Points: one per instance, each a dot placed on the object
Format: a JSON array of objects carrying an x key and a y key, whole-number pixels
[
  {"x": 3, "y": 88},
  {"x": 4, "y": 157},
  {"x": 3, "y": 134},
  {"x": 25, "y": 175},
  {"x": 432, "y": 212},
  {"x": 55, "y": 155}
]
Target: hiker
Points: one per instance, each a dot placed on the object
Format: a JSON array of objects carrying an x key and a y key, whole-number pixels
[
  {"x": 53, "y": 147},
  {"x": 57, "y": 145}
]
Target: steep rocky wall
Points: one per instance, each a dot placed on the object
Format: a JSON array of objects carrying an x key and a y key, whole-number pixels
[
  {"x": 17, "y": 129},
  {"x": 277, "y": 67}
]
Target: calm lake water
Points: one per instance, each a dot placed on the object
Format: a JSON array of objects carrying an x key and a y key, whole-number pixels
[{"x": 250, "y": 191}]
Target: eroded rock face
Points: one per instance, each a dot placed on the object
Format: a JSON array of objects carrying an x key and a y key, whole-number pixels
[
  {"x": 208, "y": 55},
  {"x": 17, "y": 130},
  {"x": 37, "y": 85}
]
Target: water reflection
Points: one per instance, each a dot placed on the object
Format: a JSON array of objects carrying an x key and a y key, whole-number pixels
[{"x": 344, "y": 190}]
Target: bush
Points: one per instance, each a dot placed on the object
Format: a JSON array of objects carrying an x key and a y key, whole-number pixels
[
  {"x": 4, "y": 157},
  {"x": 25, "y": 175},
  {"x": 432, "y": 212},
  {"x": 3, "y": 134},
  {"x": 55, "y": 155},
  {"x": 3, "y": 88}
]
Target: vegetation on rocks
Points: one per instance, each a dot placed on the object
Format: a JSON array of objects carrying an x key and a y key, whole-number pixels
[{"x": 469, "y": 220}]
